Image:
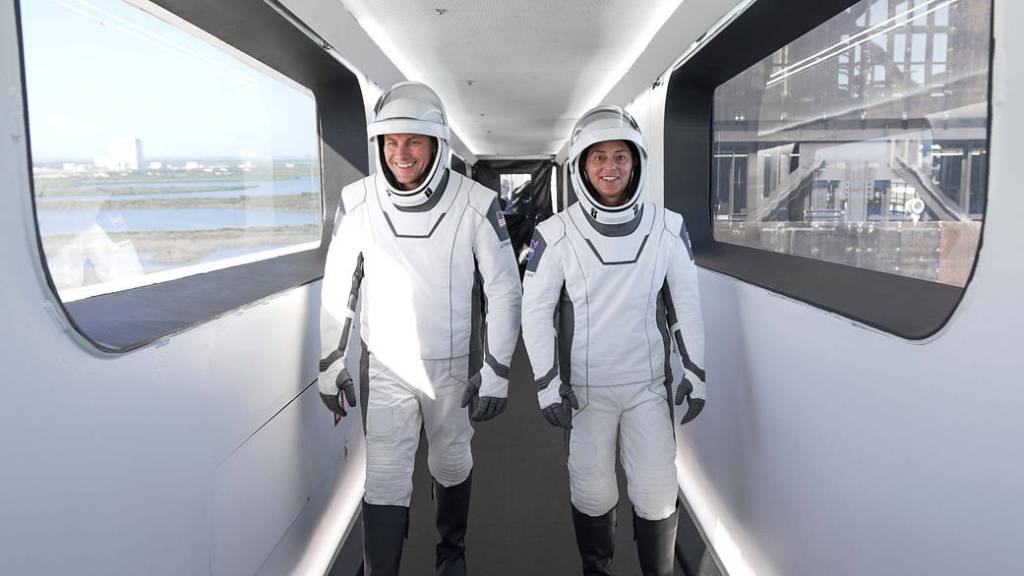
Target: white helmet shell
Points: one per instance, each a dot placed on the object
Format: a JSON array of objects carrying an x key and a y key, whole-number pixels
[
  {"x": 599, "y": 125},
  {"x": 411, "y": 108}
]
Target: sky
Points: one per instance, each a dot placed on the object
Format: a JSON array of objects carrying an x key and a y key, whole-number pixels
[{"x": 101, "y": 70}]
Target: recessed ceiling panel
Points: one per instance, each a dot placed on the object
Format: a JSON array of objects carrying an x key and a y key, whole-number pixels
[{"x": 514, "y": 74}]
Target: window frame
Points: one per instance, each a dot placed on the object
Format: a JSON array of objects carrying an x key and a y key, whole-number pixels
[
  {"x": 906, "y": 307},
  {"x": 123, "y": 321},
  {"x": 459, "y": 165}
]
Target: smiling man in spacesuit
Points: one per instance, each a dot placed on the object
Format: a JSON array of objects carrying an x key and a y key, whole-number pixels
[
  {"x": 620, "y": 274},
  {"x": 414, "y": 244}
]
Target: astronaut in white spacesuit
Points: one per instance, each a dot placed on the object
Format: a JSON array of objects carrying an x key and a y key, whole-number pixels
[
  {"x": 617, "y": 275},
  {"x": 415, "y": 245}
]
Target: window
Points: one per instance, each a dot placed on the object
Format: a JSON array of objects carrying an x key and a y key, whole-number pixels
[
  {"x": 739, "y": 184},
  {"x": 889, "y": 140},
  {"x": 175, "y": 175},
  {"x": 512, "y": 182},
  {"x": 979, "y": 176},
  {"x": 864, "y": 129},
  {"x": 157, "y": 154}
]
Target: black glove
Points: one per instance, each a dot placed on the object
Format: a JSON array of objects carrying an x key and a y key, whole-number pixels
[
  {"x": 481, "y": 408},
  {"x": 560, "y": 414},
  {"x": 694, "y": 405},
  {"x": 345, "y": 386}
]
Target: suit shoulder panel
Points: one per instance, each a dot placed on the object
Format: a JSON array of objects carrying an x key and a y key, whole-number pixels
[
  {"x": 553, "y": 229},
  {"x": 673, "y": 220},
  {"x": 354, "y": 195},
  {"x": 480, "y": 196}
]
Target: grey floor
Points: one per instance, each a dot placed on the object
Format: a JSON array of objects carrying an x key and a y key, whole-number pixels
[{"x": 520, "y": 520}]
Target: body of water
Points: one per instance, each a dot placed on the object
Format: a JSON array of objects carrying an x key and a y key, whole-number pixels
[{"x": 303, "y": 185}]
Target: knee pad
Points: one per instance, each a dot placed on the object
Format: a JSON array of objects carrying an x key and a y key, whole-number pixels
[
  {"x": 594, "y": 495},
  {"x": 654, "y": 500},
  {"x": 450, "y": 464},
  {"x": 388, "y": 485},
  {"x": 389, "y": 471},
  {"x": 593, "y": 487},
  {"x": 653, "y": 489}
]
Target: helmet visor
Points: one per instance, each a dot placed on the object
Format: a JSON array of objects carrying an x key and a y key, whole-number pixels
[
  {"x": 409, "y": 107},
  {"x": 601, "y": 124}
]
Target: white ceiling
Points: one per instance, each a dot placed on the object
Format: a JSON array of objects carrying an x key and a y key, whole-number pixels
[{"x": 514, "y": 74}]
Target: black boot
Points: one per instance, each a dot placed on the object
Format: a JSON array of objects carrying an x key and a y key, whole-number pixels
[
  {"x": 656, "y": 544},
  {"x": 451, "y": 512},
  {"x": 384, "y": 531},
  {"x": 595, "y": 537}
]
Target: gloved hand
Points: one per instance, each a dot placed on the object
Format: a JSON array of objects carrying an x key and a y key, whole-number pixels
[
  {"x": 695, "y": 400},
  {"x": 481, "y": 408},
  {"x": 560, "y": 413},
  {"x": 342, "y": 385}
]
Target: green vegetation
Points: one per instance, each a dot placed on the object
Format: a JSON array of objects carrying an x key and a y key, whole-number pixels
[
  {"x": 307, "y": 202},
  {"x": 46, "y": 191}
]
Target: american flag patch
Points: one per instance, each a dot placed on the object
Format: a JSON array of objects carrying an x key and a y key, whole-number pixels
[
  {"x": 501, "y": 219},
  {"x": 533, "y": 250}
]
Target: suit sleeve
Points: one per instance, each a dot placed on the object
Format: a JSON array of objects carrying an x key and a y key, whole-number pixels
[
  {"x": 684, "y": 310},
  {"x": 542, "y": 288},
  {"x": 503, "y": 292},
  {"x": 343, "y": 273}
]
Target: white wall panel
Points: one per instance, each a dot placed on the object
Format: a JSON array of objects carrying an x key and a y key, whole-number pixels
[
  {"x": 110, "y": 463},
  {"x": 830, "y": 448}
]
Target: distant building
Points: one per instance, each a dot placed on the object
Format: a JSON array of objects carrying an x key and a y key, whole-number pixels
[{"x": 123, "y": 155}]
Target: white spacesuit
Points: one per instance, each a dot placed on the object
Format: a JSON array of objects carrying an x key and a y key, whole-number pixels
[
  {"x": 621, "y": 285},
  {"x": 419, "y": 257}
]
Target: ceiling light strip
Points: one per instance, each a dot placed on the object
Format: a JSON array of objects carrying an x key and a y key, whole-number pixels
[{"x": 693, "y": 48}]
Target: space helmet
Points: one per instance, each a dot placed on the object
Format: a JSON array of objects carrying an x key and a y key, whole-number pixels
[
  {"x": 411, "y": 108},
  {"x": 598, "y": 125}
]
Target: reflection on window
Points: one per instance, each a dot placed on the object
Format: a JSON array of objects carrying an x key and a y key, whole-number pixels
[
  {"x": 511, "y": 183},
  {"x": 863, "y": 142},
  {"x": 158, "y": 152}
]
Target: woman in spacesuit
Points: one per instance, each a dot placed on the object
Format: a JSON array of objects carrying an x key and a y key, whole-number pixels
[{"x": 617, "y": 274}]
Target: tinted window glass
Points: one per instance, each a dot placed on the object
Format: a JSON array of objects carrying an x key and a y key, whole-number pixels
[
  {"x": 863, "y": 142},
  {"x": 512, "y": 182},
  {"x": 159, "y": 152}
]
